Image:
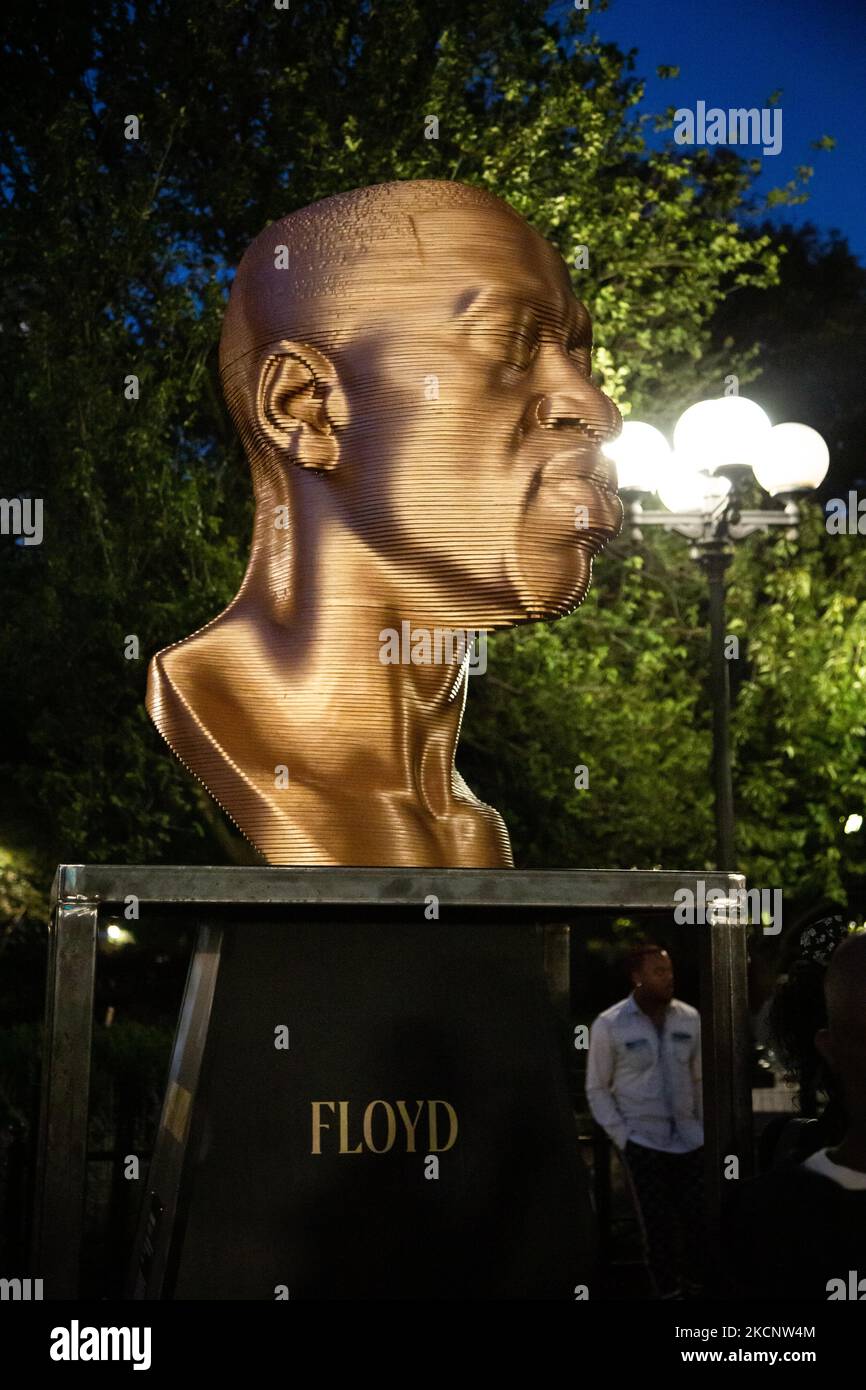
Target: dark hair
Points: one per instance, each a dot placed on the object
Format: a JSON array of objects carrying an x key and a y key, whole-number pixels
[{"x": 641, "y": 952}]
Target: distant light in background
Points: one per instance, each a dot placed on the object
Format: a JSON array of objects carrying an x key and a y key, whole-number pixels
[
  {"x": 728, "y": 430},
  {"x": 116, "y": 935},
  {"x": 641, "y": 454},
  {"x": 853, "y": 823},
  {"x": 687, "y": 490},
  {"x": 795, "y": 457}
]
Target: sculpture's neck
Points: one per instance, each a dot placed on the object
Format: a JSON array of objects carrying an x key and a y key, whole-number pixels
[
  {"x": 326, "y": 723},
  {"x": 345, "y": 684}
]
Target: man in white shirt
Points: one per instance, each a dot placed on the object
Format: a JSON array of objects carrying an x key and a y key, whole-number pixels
[{"x": 643, "y": 1085}]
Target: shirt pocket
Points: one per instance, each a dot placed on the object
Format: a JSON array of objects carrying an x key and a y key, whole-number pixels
[
  {"x": 637, "y": 1054},
  {"x": 681, "y": 1046}
]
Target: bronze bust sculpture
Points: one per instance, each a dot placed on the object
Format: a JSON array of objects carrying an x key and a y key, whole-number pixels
[{"x": 409, "y": 372}]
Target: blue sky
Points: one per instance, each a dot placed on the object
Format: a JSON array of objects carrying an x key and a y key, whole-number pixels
[{"x": 734, "y": 53}]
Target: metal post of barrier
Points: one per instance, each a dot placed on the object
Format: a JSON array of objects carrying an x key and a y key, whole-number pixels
[{"x": 62, "y": 1149}]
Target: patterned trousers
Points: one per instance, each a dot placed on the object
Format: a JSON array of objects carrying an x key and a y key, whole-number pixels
[{"x": 668, "y": 1191}]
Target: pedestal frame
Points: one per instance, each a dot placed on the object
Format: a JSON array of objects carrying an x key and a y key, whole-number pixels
[{"x": 83, "y": 894}]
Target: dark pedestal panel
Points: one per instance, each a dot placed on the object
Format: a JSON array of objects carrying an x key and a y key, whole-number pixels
[{"x": 415, "y": 1139}]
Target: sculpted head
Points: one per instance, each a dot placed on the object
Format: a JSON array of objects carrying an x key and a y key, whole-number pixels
[
  {"x": 409, "y": 372},
  {"x": 408, "y": 367}
]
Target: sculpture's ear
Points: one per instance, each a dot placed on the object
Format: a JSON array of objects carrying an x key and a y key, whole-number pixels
[{"x": 298, "y": 404}]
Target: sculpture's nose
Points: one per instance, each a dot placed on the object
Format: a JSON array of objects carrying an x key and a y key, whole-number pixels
[{"x": 588, "y": 410}]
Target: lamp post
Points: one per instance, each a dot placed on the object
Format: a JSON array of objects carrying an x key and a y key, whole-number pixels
[{"x": 718, "y": 446}]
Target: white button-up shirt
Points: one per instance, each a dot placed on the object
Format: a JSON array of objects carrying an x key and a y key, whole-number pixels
[{"x": 643, "y": 1084}]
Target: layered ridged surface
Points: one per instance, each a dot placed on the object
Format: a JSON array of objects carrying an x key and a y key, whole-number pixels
[{"x": 409, "y": 371}]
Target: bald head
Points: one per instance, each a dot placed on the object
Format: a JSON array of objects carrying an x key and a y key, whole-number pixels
[
  {"x": 360, "y": 245},
  {"x": 394, "y": 351}
]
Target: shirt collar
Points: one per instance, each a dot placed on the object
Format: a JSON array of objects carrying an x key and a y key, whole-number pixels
[{"x": 632, "y": 1006}]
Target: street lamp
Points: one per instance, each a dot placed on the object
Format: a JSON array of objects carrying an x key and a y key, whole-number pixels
[
  {"x": 796, "y": 458},
  {"x": 718, "y": 446}
]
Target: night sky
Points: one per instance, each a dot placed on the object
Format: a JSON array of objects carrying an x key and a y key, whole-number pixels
[{"x": 735, "y": 53}]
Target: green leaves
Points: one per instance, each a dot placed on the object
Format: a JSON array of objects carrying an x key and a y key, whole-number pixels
[
  {"x": 798, "y": 732},
  {"x": 116, "y": 253}
]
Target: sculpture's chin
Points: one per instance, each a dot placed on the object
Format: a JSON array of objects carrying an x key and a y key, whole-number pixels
[{"x": 554, "y": 589}]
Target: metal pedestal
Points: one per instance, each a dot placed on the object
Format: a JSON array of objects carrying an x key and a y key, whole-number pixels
[{"x": 239, "y": 900}]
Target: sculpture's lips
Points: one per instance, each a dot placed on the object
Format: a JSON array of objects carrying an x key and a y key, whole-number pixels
[
  {"x": 583, "y": 475},
  {"x": 584, "y": 463}
]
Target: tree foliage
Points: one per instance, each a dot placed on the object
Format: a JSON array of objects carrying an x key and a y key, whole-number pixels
[{"x": 118, "y": 254}]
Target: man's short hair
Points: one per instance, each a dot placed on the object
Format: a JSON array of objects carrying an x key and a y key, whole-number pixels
[
  {"x": 353, "y": 246},
  {"x": 328, "y": 243},
  {"x": 641, "y": 952}
]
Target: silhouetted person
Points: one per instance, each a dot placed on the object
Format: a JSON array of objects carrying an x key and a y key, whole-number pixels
[
  {"x": 799, "y": 1230},
  {"x": 796, "y": 1013}
]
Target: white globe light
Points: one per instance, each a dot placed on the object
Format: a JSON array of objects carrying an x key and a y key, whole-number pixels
[
  {"x": 641, "y": 454},
  {"x": 722, "y": 432},
  {"x": 686, "y": 489},
  {"x": 793, "y": 458}
]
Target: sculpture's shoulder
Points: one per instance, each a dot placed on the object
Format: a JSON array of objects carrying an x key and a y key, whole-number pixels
[
  {"x": 171, "y": 683},
  {"x": 161, "y": 683},
  {"x": 479, "y": 836},
  {"x": 191, "y": 696},
  {"x": 196, "y": 673}
]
